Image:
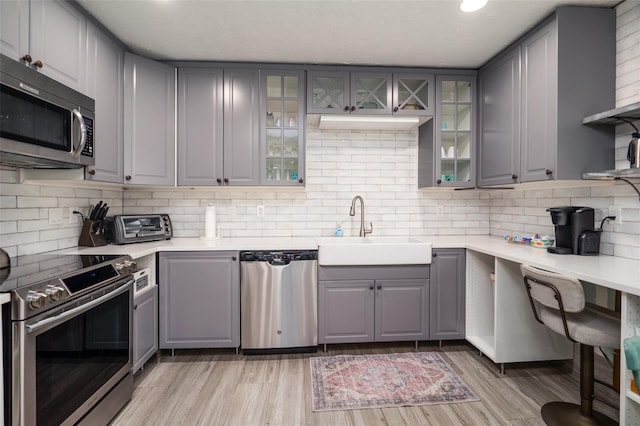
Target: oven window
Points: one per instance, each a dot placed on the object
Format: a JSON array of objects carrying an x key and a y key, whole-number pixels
[
  {"x": 76, "y": 358},
  {"x": 29, "y": 119}
]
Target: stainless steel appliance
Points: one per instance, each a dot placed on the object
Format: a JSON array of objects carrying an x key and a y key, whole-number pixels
[
  {"x": 575, "y": 233},
  {"x": 43, "y": 124},
  {"x": 125, "y": 229},
  {"x": 278, "y": 301},
  {"x": 71, "y": 338}
]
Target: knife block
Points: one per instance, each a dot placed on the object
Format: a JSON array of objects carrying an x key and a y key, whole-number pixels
[{"x": 90, "y": 238}]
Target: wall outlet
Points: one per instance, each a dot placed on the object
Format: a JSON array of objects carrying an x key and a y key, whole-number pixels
[
  {"x": 260, "y": 211},
  {"x": 439, "y": 210},
  {"x": 56, "y": 216},
  {"x": 74, "y": 218},
  {"x": 617, "y": 212}
]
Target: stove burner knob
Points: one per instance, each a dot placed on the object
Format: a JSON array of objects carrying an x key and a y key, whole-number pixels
[
  {"x": 119, "y": 266},
  {"x": 36, "y": 299},
  {"x": 54, "y": 292},
  {"x": 129, "y": 263}
]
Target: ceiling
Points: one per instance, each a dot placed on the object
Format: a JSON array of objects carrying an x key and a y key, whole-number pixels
[{"x": 424, "y": 33}]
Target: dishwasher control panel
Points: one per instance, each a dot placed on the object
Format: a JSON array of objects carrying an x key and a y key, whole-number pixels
[{"x": 282, "y": 257}]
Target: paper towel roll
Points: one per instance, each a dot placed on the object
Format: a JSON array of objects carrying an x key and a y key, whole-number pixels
[{"x": 210, "y": 222}]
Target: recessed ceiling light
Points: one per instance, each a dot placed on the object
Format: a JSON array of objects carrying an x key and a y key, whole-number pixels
[{"x": 472, "y": 5}]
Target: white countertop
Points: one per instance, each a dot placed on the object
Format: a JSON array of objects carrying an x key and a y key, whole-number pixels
[{"x": 609, "y": 271}]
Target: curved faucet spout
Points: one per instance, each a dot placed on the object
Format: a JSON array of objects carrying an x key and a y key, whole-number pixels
[{"x": 352, "y": 212}]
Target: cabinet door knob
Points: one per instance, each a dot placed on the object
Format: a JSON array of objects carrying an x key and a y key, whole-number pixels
[
  {"x": 379, "y": 286},
  {"x": 549, "y": 172},
  {"x": 353, "y": 108},
  {"x": 434, "y": 254},
  {"x": 395, "y": 109},
  {"x": 92, "y": 172},
  {"x": 27, "y": 58},
  {"x": 371, "y": 287},
  {"x": 233, "y": 258},
  {"x": 300, "y": 180},
  {"x": 439, "y": 181},
  {"x": 38, "y": 64},
  {"x": 135, "y": 307},
  {"x": 514, "y": 176},
  {"x": 226, "y": 180},
  {"x": 219, "y": 180},
  {"x": 128, "y": 177},
  {"x": 346, "y": 108}
]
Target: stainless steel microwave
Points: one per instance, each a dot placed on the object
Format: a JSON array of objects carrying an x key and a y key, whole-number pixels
[{"x": 43, "y": 123}]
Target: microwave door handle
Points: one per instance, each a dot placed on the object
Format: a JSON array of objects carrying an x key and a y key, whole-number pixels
[{"x": 83, "y": 134}]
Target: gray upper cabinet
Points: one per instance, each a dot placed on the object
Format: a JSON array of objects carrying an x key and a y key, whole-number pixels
[
  {"x": 499, "y": 93},
  {"x": 447, "y": 143},
  {"x": 199, "y": 299},
  {"x": 218, "y": 126},
  {"x": 282, "y": 133},
  {"x": 200, "y": 126},
  {"x": 369, "y": 93},
  {"x": 333, "y": 92},
  {"x": 447, "y": 294},
  {"x": 50, "y": 36},
  {"x": 241, "y": 127},
  {"x": 105, "y": 85},
  {"x": 554, "y": 64},
  {"x": 413, "y": 94},
  {"x": 149, "y": 121}
]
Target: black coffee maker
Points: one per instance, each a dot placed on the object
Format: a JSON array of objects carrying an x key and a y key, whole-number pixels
[{"x": 575, "y": 233}]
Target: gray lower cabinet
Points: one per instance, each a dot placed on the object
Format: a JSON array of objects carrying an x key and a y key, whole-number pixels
[
  {"x": 145, "y": 327},
  {"x": 149, "y": 121},
  {"x": 533, "y": 98},
  {"x": 199, "y": 299},
  {"x": 373, "y": 304},
  {"x": 447, "y": 294},
  {"x": 105, "y": 85}
]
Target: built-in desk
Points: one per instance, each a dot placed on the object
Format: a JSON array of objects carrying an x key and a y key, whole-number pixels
[{"x": 499, "y": 321}]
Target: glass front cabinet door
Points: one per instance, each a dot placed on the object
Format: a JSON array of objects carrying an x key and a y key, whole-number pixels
[
  {"x": 282, "y": 147},
  {"x": 333, "y": 92},
  {"x": 455, "y": 133},
  {"x": 413, "y": 94}
]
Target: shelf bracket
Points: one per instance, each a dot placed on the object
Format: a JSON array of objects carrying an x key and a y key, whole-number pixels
[{"x": 635, "y": 188}]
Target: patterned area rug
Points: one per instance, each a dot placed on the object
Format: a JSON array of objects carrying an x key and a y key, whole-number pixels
[{"x": 351, "y": 382}]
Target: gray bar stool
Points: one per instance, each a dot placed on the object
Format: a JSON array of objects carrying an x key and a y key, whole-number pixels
[{"x": 558, "y": 302}]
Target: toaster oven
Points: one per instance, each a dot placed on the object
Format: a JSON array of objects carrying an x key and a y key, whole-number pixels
[{"x": 126, "y": 229}]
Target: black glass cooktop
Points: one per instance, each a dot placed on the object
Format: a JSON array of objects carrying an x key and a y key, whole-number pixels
[{"x": 30, "y": 269}]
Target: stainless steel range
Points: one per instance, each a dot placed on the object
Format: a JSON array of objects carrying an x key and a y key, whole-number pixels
[{"x": 70, "y": 350}]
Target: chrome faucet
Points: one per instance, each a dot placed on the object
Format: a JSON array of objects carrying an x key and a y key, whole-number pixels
[{"x": 352, "y": 212}]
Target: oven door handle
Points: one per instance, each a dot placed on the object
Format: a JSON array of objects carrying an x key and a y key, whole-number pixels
[{"x": 72, "y": 312}]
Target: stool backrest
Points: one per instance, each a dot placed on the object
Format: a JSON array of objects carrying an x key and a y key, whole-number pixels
[{"x": 541, "y": 289}]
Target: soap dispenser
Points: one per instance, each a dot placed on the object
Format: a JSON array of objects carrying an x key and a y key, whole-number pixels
[{"x": 339, "y": 232}]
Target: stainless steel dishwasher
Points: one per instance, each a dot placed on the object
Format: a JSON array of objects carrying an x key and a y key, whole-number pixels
[{"x": 278, "y": 301}]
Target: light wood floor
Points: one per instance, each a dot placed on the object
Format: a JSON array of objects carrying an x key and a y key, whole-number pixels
[{"x": 217, "y": 387}]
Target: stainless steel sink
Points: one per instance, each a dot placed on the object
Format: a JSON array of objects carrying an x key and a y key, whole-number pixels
[{"x": 373, "y": 251}]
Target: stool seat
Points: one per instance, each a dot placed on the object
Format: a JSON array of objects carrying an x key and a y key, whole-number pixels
[
  {"x": 589, "y": 327},
  {"x": 558, "y": 302}
]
